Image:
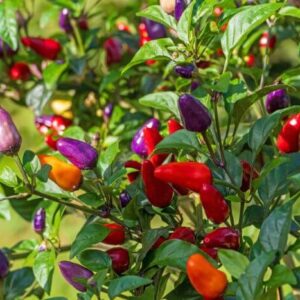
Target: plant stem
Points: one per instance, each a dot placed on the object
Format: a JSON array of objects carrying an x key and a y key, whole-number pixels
[
  {"x": 16, "y": 197},
  {"x": 24, "y": 175},
  {"x": 210, "y": 149}
]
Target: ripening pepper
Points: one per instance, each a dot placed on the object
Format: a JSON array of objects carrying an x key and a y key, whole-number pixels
[
  {"x": 208, "y": 281},
  {"x": 212, "y": 252},
  {"x": 51, "y": 140},
  {"x": 107, "y": 111},
  {"x": 267, "y": 41},
  {"x": 184, "y": 234},
  {"x": 60, "y": 123},
  {"x": 120, "y": 259},
  {"x": 158, "y": 242},
  {"x": 250, "y": 60},
  {"x": 46, "y": 48},
  {"x": 218, "y": 11},
  {"x": 4, "y": 265},
  {"x": 124, "y": 198},
  {"x": 247, "y": 171},
  {"x": 79, "y": 153},
  {"x": 180, "y": 6},
  {"x": 113, "y": 48},
  {"x": 277, "y": 100},
  {"x": 168, "y": 6},
  {"x": 194, "y": 115},
  {"x": 155, "y": 30},
  {"x": 190, "y": 175},
  {"x": 158, "y": 192},
  {"x": 54, "y": 122},
  {"x": 76, "y": 275},
  {"x": 173, "y": 126},
  {"x": 64, "y": 20},
  {"x": 214, "y": 204},
  {"x": 195, "y": 84},
  {"x": 132, "y": 164},
  {"x": 288, "y": 138},
  {"x": 5, "y": 50},
  {"x": 39, "y": 220},
  {"x": 60, "y": 106},
  {"x": 138, "y": 143},
  {"x": 82, "y": 22},
  {"x": 116, "y": 235},
  {"x": 223, "y": 237},
  {"x": 65, "y": 175},
  {"x": 10, "y": 139},
  {"x": 19, "y": 71},
  {"x": 185, "y": 71}
]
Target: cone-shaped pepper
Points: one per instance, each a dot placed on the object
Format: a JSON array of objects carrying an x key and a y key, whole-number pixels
[
  {"x": 215, "y": 206},
  {"x": 224, "y": 237},
  {"x": 190, "y": 175},
  {"x": 75, "y": 274},
  {"x": 107, "y": 111},
  {"x": 277, "y": 100},
  {"x": 124, "y": 198},
  {"x": 138, "y": 142},
  {"x": 113, "y": 48},
  {"x": 65, "y": 175},
  {"x": 185, "y": 71},
  {"x": 132, "y": 164},
  {"x": 212, "y": 252},
  {"x": 168, "y": 6},
  {"x": 4, "y": 265},
  {"x": 194, "y": 115},
  {"x": 79, "y": 153},
  {"x": 10, "y": 139},
  {"x": 208, "y": 281},
  {"x": 180, "y": 6},
  {"x": 248, "y": 171},
  {"x": 158, "y": 192},
  {"x": 116, "y": 235},
  {"x": 173, "y": 126},
  {"x": 155, "y": 30},
  {"x": 19, "y": 71},
  {"x": 64, "y": 20},
  {"x": 47, "y": 48},
  {"x": 39, "y": 220},
  {"x": 120, "y": 259},
  {"x": 184, "y": 234}
]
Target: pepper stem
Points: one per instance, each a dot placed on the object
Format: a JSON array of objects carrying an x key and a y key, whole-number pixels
[{"x": 210, "y": 149}]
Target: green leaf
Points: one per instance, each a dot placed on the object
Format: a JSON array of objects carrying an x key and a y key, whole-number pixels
[
  {"x": 25, "y": 209},
  {"x": 156, "y": 13},
  {"x": 234, "y": 262},
  {"x": 43, "y": 268},
  {"x": 108, "y": 156},
  {"x": 4, "y": 209},
  {"x": 179, "y": 140},
  {"x": 184, "y": 24},
  {"x": 8, "y": 177},
  {"x": 89, "y": 235},
  {"x": 251, "y": 282},
  {"x": 155, "y": 49},
  {"x": 126, "y": 283},
  {"x": 183, "y": 291},
  {"x": 8, "y": 23},
  {"x": 254, "y": 215},
  {"x": 95, "y": 260},
  {"x": 52, "y": 74},
  {"x": 234, "y": 168},
  {"x": 74, "y": 132},
  {"x": 290, "y": 11},
  {"x": 31, "y": 162},
  {"x": 281, "y": 275},
  {"x": 165, "y": 101},
  {"x": 241, "y": 24},
  {"x": 275, "y": 229}
]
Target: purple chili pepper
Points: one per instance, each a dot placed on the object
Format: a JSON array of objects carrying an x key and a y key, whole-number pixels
[
  {"x": 79, "y": 153},
  {"x": 277, "y": 100},
  {"x": 194, "y": 114},
  {"x": 44, "y": 120},
  {"x": 155, "y": 30},
  {"x": 194, "y": 85},
  {"x": 10, "y": 139},
  {"x": 180, "y": 6},
  {"x": 39, "y": 220},
  {"x": 124, "y": 198},
  {"x": 185, "y": 71},
  {"x": 74, "y": 274},
  {"x": 4, "y": 265},
  {"x": 5, "y": 50},
  {"x": 64, "y": 20},
  {"x": 108, "y": 110},
  {"x": 138, "y": 143}
]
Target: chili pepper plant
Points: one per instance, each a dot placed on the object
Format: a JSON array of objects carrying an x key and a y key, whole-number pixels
[{"x": 171, "y": 130}]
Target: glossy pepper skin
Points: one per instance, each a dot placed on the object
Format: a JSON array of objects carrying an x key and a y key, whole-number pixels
[
  {"x": 158, "y": 192},
  {"x": 215, "y": 206},
  {"x": 155, "y": 30},
  {"x": 4, "y": 265},
  {"x": 107, "y": 111},
  {"x": 194, "y": 115},
  {"x": 212, "y": 252},
  {"x": 277, "y": 100},
  {"x": 64, "y": 20},
  {"x": 138, "y": 145},
  {"x": 173, "y": 126},
  {"x": 79, "y": 153},
  {"x": 120, "y": 259},
  {"x": 74, "y": 274},
  {"x": 132, "y": 164},
  {"x": 39, "y": 220},
  {"x": 116, "y": 235},
  {"x": 51, "y": 140},
  {"x": 124, "y": 198},
  {"x": 10, "y": 139},
  {"x": 190, "y": 175},
  {"x": 250, "y": 60},
  {"x": 208, "y": 281},
  {"x": 180, "y": 6},
  {"x": 183, "y": 233},
  {"x": 113, "y": 49},
  {"x": 247, "y": 171},
  {"x": 185, "y": 71},
  {"x": 223, "y": 237},
  {"x": 19, "y": 71},
  {"x": 288, "y": 138},
  {"x": 46, "y": 48},
  {"x": 65, "y": 175},
  {"x": 267, "y": 41},
  {"x": 168, "y": 6}
]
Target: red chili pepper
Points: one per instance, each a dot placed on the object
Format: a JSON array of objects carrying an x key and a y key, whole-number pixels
[
  {"x": 289, "y": 136},
  {"x": 173, "y": 126},
  {"x": 47, "y": 48},
  {"x": 51, "y": 140},
  {"x": 158, "y": 242},
  {"x": 212, "y": 252},
  {"x": 267, "y": 41},
  {"x": 120, "y": 259},
  {"x": 19, "y": 71},
  {"x": 116, "y": 235},
  {"x": 215, "y": 206},
  {"x": 60, "y": 123},
  {"x": 158, "y": 192},
  {"x": 190, "y": 175},
  {"x": 184, "y": 234},
  {"x": 132, "y": 164},
  {"x": 224, "y": 237},
  {"x": 247, "y": 171},
  {"x": 249, "y": 60}
]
